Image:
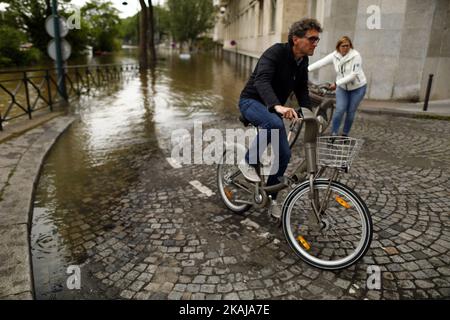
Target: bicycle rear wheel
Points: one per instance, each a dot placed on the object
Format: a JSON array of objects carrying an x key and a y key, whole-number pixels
[
  {"x": 341, "y": 238},
  {"x": 234, "y": 190}
]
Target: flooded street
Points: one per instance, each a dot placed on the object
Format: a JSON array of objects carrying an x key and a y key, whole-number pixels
[
  {"x": 101, "y": 155},
  {"x": 109, "y": 203}
]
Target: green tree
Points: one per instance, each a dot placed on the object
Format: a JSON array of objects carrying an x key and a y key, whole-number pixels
[
  {"x": 29, "y": 17},
  {"x": 102, "y": 23},
  {"x": 10, "y": 53},
  {"x": 162, "y": 22},
  {"x": 129, "y": 29},
  {"x": 190, "y": 18}
]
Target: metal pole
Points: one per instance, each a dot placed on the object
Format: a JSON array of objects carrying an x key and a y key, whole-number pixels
[
  {"x": 27, "y": 94},
  {"x": 427, "y": 95},
  {"x": 77, "y": 80},
  {"x": 59, "y": 61},
  {"x": 49, "y": 90}
]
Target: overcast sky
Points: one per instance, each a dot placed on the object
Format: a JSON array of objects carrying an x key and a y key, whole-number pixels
[{"x": 128, "y": 10}]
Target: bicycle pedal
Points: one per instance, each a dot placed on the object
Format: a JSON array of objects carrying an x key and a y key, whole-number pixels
[{"x": 275, "y": 220}]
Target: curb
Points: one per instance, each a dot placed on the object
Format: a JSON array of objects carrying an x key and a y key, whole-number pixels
[
  {"x": 25, "y": 126},
  {"x": 16, "y": 281},
  {"x": 406, "y": 114}
]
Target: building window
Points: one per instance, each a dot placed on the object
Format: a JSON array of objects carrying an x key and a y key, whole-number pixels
[{"x": 273, "y": 14}]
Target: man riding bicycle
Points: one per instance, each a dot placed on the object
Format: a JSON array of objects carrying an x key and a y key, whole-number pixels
[{"x": 282, "y": 68}]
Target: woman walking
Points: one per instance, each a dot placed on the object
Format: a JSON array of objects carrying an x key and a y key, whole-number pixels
[{"x": 350, "y": 83}]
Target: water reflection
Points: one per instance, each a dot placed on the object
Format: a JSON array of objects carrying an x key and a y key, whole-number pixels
[{"x": 97, "y": 161}]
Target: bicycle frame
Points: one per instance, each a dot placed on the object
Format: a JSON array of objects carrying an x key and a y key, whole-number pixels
[{"x": 309, "y": 165}]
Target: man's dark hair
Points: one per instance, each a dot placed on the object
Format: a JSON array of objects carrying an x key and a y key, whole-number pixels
[{"x": 300, "y": 28}]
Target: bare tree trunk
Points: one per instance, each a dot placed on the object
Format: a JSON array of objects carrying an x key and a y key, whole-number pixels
[
  {"x": 48, "y": 8},
  {"x": 151, "y": 42},
  {"x": 143, "y": 32}
]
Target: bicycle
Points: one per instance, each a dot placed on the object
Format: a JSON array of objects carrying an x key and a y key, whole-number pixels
[{"x": 325, "y": 223}]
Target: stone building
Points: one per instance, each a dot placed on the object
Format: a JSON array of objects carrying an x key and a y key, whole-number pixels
[{"x": 402, "y": 42}]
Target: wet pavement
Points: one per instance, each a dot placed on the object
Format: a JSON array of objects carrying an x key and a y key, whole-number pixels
[{"x": 109, "y": 202}]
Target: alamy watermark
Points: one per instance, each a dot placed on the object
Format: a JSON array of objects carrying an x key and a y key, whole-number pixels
[
  {"x": 373, "y": 22},
  {"x": 374, "y": 278},
  {"x": 74, "y": 20},
  {"x": 74, "y": 280},
  {"x": 209, "y": 147}
]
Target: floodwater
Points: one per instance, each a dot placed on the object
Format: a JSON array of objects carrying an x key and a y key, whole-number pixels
[{"x": 99, "y": 157}]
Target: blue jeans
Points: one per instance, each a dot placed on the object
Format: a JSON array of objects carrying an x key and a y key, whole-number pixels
[
  {"x": 346, "y": 102},
  {"x": 258, "y": 114}
]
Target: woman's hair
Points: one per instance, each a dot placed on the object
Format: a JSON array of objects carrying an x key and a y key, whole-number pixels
[
  {"x": 344, "y": 39},
  {"x": 300, "y": 28}
]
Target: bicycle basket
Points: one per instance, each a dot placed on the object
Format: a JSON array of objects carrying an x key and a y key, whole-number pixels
[{"x": 337, "y": 151}]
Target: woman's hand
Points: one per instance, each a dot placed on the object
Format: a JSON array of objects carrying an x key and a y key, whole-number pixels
[
  {"x": 333, "y": 86},
  {"x": 286, "y": 112}
]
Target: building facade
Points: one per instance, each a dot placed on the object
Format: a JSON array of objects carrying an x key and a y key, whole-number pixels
[{"x": 401, "y": 42}]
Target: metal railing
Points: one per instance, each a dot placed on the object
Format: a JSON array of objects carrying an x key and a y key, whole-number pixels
[{"x": 26, "y": 91}]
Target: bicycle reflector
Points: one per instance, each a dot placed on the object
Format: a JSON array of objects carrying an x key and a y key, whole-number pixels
[
  {"x": 228, "y": 193},
  {"x": 342, "y": 202},
  {"x": 303, "y": 242}
]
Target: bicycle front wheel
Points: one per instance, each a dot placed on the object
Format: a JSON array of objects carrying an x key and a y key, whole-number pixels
[{"x": 343, "y": 234}]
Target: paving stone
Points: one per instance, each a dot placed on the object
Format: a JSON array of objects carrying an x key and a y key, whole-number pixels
[
  {"x": 231, "y": 296},
  {"x": 199, "y": 279},
  {"x": 224, "y": 288},
  {"x": 424, "y": 284},
  {"x": 246, "y": 295},
  {"x": 344, "y": 284},
  {"x": 207, "y": 288},
  {"x": 406, "y": 284},
  {"x": 262, "y": 294},
  {"x": 127, "y": 294},
  {"x": 175, "y": 295}
]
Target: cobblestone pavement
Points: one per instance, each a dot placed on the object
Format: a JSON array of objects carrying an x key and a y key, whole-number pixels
[
  {"x": 20, "y": 161},
  {"x": 162, "y": 238}
]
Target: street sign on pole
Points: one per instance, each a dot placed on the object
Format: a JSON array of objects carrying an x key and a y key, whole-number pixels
[
  {"x": 66, "y": 49},
  {"x": 59, "y": 61},
  {"x": 50, "y": 26}
]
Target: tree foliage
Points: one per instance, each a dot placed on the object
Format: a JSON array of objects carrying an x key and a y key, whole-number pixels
[
  {"x": 29, "y": 16},
  {"x": 129, "y": 28},
  {"x": 190, "y": 18},
  {"x": 162, "y": 21},
  {"x": 10, "y": 53},
  {"x": 99, "y": 22},
  {"x": 102, "y": 22}
]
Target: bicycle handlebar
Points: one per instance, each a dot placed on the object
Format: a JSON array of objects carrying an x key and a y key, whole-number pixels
[{"x": 321, "y": 89}]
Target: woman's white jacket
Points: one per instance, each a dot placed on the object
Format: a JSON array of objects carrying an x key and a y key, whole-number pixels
[{"x": 349, "y": 72}]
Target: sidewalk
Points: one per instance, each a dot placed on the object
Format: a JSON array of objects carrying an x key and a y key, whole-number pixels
[
  {"x": 436, "y": 109},
  {"x": 20, "y": 162}
]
